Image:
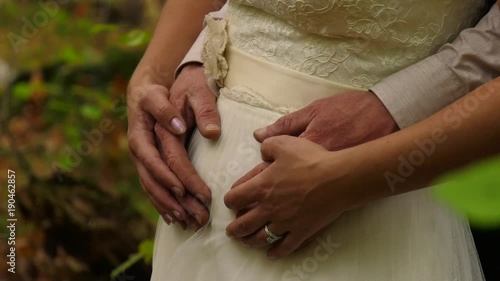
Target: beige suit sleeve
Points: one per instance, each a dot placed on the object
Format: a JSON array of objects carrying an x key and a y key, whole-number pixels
[
  {"x": 423, "y": 89},
  {"x": 194, "y": 54}
]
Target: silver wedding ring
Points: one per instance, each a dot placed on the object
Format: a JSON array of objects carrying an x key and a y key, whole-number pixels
[{"x": 271, "y": 237}]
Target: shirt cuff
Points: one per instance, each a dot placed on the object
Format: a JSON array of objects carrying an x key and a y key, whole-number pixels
[
  {"x": 428, "y": 86},
  {"x": 410, "y": 94},
  {"x": 194, "y": 54}
]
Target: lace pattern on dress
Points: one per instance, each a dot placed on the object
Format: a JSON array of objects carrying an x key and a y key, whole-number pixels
[
  {"x": 354, "y": 42},
  {"x": 248, "y": 96}
]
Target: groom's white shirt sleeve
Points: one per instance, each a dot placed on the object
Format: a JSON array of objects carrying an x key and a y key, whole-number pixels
[{"x": 426, "y": 87}]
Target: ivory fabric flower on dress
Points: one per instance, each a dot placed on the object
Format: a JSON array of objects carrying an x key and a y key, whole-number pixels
[{"x": 212, "y": 55}]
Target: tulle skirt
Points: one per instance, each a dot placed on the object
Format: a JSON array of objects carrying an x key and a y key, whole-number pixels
[{"x": 409, "y": 237}]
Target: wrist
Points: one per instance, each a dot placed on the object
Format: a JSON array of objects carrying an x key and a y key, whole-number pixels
[
  {"x": 354, "y": 177},
  {"x": 189, "y": 66},
  {"x": 341, "y": 180},
  {"x": 147, "y": 74}
]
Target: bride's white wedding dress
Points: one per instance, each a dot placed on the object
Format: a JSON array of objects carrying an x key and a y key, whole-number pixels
[{"x": 273, "y": 56}]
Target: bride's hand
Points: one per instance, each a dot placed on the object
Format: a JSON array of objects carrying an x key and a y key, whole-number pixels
[
  {"x": 168, "y": 178},
  {"x": 341, "y": 121},
  {"x": 295, "y": 192}
]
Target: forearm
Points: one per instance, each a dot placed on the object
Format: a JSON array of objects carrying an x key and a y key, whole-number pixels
[
  {"x": 179, "y": 25},
  {"x": 410, "y": 159}
]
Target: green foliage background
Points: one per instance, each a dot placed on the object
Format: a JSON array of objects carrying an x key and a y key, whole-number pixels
[{"x": 82, "y": 208}]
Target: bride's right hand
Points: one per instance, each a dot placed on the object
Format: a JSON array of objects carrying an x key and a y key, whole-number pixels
[{"x": 168, "y": 178}]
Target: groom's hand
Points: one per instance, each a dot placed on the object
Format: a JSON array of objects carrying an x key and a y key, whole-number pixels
[{"x": 338, "y": 122}]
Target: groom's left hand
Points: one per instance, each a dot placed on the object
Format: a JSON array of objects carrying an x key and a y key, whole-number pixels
[{"x": 341, "y": 121}]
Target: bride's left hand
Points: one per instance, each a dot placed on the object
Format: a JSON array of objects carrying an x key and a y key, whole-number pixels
[{"x": 300, "y": 189}]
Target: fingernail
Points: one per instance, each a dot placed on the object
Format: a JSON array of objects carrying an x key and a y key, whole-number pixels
[
  {"x": 177, "y": 192},
  {"x": 260, "y": 132},
  {"x": 178, "y": 215},
  {"x": 178, "y": 126},
  {"x": 169, "y": 219},
  {"x": 212, "y": 127},
  {"x": 202, "y": 199},
  {"x": 198, "y": 219}
]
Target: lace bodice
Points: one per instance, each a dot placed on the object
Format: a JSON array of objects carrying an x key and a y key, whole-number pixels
[{"x": 354, "y": 42}]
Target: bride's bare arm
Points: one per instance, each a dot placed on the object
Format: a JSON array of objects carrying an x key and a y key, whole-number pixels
[
  {"x": 179, "y": 25},
  {"x": 464, "y": 132}
]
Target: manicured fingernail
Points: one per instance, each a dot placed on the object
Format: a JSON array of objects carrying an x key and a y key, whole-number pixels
[
  {"x": 202, "y": 199},
  {"x": 169, "y": 219},
  {"x": 177, "y": 192},
  {"x": 198, "y": 219},
  {"x": 178, "y": 126},
  {"x": 260, "y": 132},
  {"x": 212, "y": 127},
  {"x": 178, "y": 215}
]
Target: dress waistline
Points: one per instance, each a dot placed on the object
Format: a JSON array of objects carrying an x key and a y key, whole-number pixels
[{"x": 277, "y": 84}]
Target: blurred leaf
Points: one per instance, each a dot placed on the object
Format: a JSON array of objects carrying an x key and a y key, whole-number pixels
[
  {"x": 475, "y": 192},
  {"x": 22, "y": 91},
  {"x": 71, "y": 56},
  {"x": 146, "y": 249},
  {"x": 72, "y": 133},
  {"x": 136, "y": 38},
  {"x": 143, "y": 206},
  {"x": 91, "y": 112},
  {"x": 98, "y": 28},
  {"x": 126, "y": 265},
  {"x": 58, "y": 105}
]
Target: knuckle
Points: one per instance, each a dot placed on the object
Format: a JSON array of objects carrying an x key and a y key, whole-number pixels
[
  {"x": 164, "y": 109},
  {"x": 160, "y": 132},
  {"x": 171, "y": 159},
  {"x": 280, "y": 125},
  {"x": 242, "y": 229},
  {"x": 206, "y": 110},
  {"x": 190, "y": 181},
  {"x": 265, "y": 144},
  {"x": 268, "y": 210},
  {"x": 133, "y": 143},
  {"x": 149, "y": 163}
]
